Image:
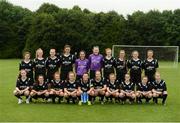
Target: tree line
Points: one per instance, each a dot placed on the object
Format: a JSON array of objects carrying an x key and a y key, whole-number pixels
[{"x": 53, "y": 27}]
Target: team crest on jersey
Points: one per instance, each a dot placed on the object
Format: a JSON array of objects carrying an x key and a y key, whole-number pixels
[{"x": 74, "y": 85}]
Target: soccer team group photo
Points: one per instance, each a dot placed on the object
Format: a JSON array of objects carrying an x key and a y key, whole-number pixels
[
  {"x": 89, "y": 61},
  {"x": 82, "y": 79}
]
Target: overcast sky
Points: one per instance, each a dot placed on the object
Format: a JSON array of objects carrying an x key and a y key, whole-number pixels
[{"x": 121, "y": 6}]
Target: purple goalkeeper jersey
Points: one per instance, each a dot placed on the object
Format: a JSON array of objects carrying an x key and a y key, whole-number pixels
[
  {"x": 81, "y": 66},
  {"x": 95, "y": 62}
]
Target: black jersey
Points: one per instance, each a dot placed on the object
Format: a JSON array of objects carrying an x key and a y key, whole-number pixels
[
  {"x": 85, "y": 86},
  {"x": 52, "y": 66},
  {"x": 57, "y": 84},
  {"x": 23, "y": 84},
  {"x": 113, "y": 86},
  {"x": 142, "y": 87},
  {"x": 40, "y": 66},
  {"x": 121, "y": 67},
  {"x": 67, "y": 62},
  {"x": 150, "y": 66},
  {"x": 71, "y": 86},
  {"x": 98, "y": 84},
  {"x": 28, "y": 67},
  {"x": 108, "y": 65},
  {"x": 38, "y": 87},
  {"x": 127, "y": 87},
  {"x": 161, "y": 86},
  {"x": 135, "y": 66}
]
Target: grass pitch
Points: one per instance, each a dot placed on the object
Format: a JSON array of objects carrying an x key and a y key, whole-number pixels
[{"x": 10, "y": 111}]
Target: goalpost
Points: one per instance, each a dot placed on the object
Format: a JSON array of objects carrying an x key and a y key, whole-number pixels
[{"x": 166, "y": 55}]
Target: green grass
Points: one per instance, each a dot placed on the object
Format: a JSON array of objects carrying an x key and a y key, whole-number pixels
[{"x": 11, "y": 111}]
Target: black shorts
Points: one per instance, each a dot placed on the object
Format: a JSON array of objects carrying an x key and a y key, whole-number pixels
[
  {"x": 135, "y": 77},
  {"x": 64, "y": 75},
  {"x": 121, "y": 76},
  {"x": 150, "y": 76}
]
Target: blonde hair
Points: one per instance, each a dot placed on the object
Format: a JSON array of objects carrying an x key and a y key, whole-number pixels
[
  {"x": 39, "y": 49},
  {"x": 25, "y": 53}
]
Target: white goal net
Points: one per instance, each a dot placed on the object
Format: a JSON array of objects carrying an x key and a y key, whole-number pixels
[{"x": 166, "y": 55}]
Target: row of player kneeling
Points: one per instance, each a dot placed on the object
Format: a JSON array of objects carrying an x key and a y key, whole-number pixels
[{"x": 86, "y": 90}]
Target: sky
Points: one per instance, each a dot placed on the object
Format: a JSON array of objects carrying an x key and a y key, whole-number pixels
[{"x": 121, "y": 6}]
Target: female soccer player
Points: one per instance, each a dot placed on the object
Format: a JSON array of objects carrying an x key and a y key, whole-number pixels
[
  {"x": 112, "y": 87},
  {"x": 81, "y": 65},
  {"x": 135, "y": 66},
  {"x": 127, "y": 89},
  {"x": 27, "y": 65},
  {"x": 40, "y": 89},
  {"x": 150, "y": 65},
  {"x": 159, "y": 89},
  {"x": 84, "y": 89},
  {"x": 99, "y": 87},
  {"x": 22, "y": 87},
  {"x": 39, "y": 64},
  {"x": 70, "y": 88},
  {"x": 108, "y": 63},
  {"x": 121, "y": 66},
  {"x": 67, "y": 61},
  {"x": 95, "y": 61},
  {"x": 144, "y": 90},
  {"x": 52, "y": 64},
  {"x": 57, "y": 86}
]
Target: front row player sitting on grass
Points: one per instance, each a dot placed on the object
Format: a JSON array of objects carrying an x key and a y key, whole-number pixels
[
  {"x": 57, "y": 88},
  {"x": 84, "y": 89},
  {"x": 22, "y": 87},
  {"x": 144, "y": 90},
  {"x": 127, "y": 90},
  {"x": 99, "y": 87},
  {"x": 70, "y": 88},
  {"x": 112, "y": 87},
  {"x": 159, "y": 89},
  {"x": 40, "y": 89}
]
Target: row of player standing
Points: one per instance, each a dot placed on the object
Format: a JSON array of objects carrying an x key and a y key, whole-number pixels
[{"x": 67, "y": 62}]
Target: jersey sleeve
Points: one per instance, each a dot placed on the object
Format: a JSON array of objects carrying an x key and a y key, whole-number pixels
[
  {"x": 143, "y": 64},
  {"x": 129, "y": 64},
  {"x": 138, "y": 87},
  {"x": 76, "y": 65},
  {"x": 35, "y": 87},
  {"x": 157, "y": 64},
  {"x": 47, "y": 62},
  {"x": 164, "y": 87},
  {"x": 20, "y": 65},
  {"x": 73, "y": 59},
  {"x": 17, "y": 83},
  {"x": 132, "y": 87},
  {"x": 89, "y": 58}
]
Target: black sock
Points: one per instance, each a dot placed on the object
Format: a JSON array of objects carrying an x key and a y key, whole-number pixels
[
  {"x": 147, "y": 99},
  {"x": 102, "y": 98},
  {"x": 90, "y": 98},
  {"x": 18, "y": 96},
  {"x": 155, "y": 99},
  {"x": 164, "y": 98},
  {"x": 107, "y": 98},
  {"x": 53, "y": 97},
  {"x": 74, "y": 99}
]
